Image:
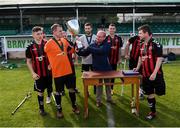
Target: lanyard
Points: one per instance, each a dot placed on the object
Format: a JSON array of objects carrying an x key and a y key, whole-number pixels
[
  {"x": 89, "y": 41},
  {"x": 60, "y": 46}
]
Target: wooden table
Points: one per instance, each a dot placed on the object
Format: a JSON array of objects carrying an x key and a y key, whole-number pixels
[{"x": 92, "y": 78}]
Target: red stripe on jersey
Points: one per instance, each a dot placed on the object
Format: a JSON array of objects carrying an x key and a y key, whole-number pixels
[
  {"x": 116, "y": 53},
  {"x": 143, "y": 71},
  {"x": 144, "y": 63},
  {"x": 43, "y": 62},
  {"x": 136, "y": 54},
  {"x": 43, "y": 68},
  {"x": 112, "y": 55},
  {"x": 146, "y": 67},
  {"x": 37, "y": 61},
  {"x": 133, "y": 49},
  {"x": 151, "y": 59},
  {"x": 32, "y": 57}
]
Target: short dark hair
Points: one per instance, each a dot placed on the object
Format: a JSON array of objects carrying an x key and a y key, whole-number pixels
[
  {"x": 36, "y": 29},
  {"x": 145, "y": 28},
  {"x": 54, "y": 27},
  {"x": 112, "y": 24},
  {"x": 88, "y": 24}
]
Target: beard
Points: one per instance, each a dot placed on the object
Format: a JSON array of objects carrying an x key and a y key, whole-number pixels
[{"x": 88, "y": 33}]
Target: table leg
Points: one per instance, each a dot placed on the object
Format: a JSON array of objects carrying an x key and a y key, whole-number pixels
[
  {"x": 132, "y": 98},
  {"x": 85, "y": 100},
  {"x": 137, "y": 97},
  {"x": 132, "y": 90}
]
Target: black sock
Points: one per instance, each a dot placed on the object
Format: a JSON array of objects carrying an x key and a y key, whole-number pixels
[
  {"x": 72, "y": 96},
  {"x": 94, "y": 89},
  {"x": 152, "y": 104},
  {"x": 58, "y": 102},
  {"x": 112, "y": 82},
  {"x": 49, "y": 94},
  {"x": 41, "y": 102}
]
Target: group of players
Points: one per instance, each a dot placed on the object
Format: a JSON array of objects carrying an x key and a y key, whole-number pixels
[{"x": 100, "y": 52}]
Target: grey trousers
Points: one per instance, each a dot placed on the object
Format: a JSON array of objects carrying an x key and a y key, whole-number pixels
[{"x": 99, "y": 90}]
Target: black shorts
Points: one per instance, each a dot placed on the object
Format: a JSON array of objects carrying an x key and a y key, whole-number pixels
[
  {"x": 86, "y": 67},
  {"x": 156, "y": 86},
  {"x": 67, "y": 80},
  {"x": 42, "y": 83}
]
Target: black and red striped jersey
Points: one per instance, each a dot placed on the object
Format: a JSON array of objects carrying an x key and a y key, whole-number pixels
[
  {"x": 39, "y": 58},
  {"x": 149, "y": 54},
  {"x": 135, "y": 50},
  {"x": 114, "y": 54}
]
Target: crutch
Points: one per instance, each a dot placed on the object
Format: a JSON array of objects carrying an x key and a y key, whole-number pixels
[
  {"x": 122, "y": 86},
  {"x": 54, "y": 99},
  {"x": 19, "y": 105}
]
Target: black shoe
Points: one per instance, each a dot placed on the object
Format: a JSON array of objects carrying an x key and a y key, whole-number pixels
[
  {"x": 112, "y": 92},
  {"x": 76, "y": 110},
  {"x": 94, "y": 91},
  {"x": 98, "y": 104},
  {"x": 141, "y": 97},
  {"x": 59, "y": 115},
  {"x": 150, "y": 116},
  {"x": 63, "y": 93},
  {"x": 76, "y": 90},
  {"x": 42, "y": 112}
]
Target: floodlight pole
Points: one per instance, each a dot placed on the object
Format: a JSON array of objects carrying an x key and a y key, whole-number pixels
[
  {"x": 5, "y": 48},
  {"x": 77, "y": 14},
  {"x": 21, "y": 20},
  {"x": 133, "y": 20}
]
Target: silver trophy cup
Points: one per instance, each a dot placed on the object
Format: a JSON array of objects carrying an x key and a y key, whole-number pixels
[{"x": 73, "y": 27}]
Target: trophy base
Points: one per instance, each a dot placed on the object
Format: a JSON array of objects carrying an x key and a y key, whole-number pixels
[{"x": 79, "y": 45}]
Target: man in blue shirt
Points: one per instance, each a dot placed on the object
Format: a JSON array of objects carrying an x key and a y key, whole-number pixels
[{"x": 100, "y": 62}]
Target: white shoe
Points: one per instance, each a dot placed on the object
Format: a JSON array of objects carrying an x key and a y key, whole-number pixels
[{"x": 48, "y": 100}]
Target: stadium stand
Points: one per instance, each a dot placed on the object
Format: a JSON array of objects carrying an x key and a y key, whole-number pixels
[
  {"x": 157, "y": 27},
  {"x": 123, "y": 27},
  {"x": 38, "y": 13}
]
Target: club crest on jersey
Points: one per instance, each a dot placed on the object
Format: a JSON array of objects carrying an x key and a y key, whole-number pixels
[
  {"x": 116, "y": 40},
  {"x": 150, "y": 47},
  {"x": 109, "y": 40},
  {"x": 34, "y": 49},
  {"x": 40, "y": 58}
]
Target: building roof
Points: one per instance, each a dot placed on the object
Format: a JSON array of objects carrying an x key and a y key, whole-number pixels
[{"x": 84, "y": 2}]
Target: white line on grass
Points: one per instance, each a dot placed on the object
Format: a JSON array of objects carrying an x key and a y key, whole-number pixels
[{"x": 110, "y": 115}]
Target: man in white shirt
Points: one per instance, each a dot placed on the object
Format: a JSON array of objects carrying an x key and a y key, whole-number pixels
[{"x": 87, "y": 39}]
